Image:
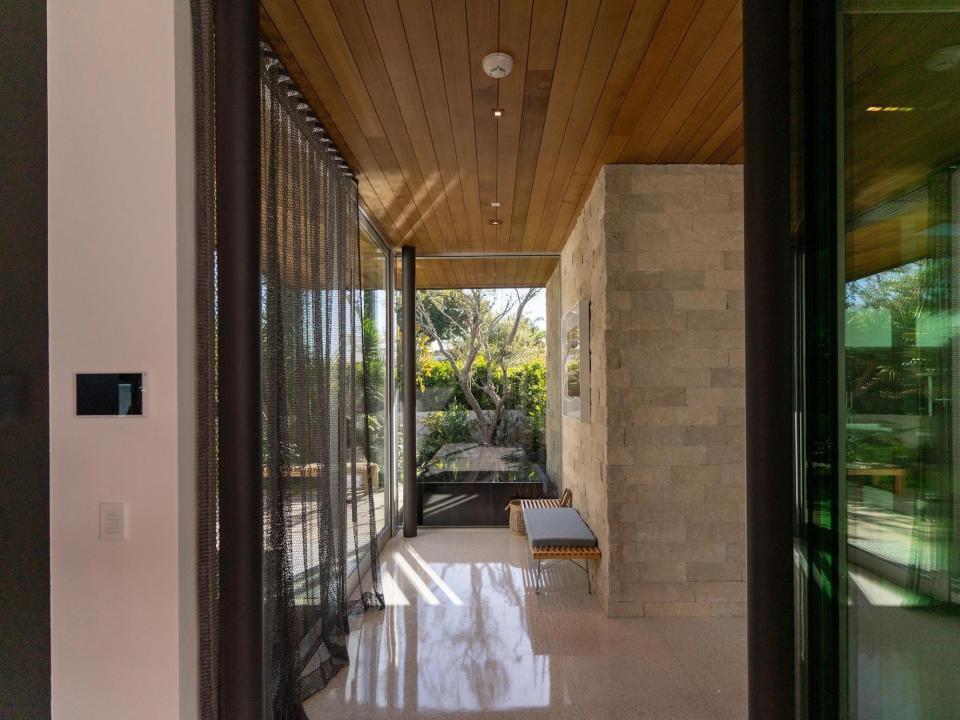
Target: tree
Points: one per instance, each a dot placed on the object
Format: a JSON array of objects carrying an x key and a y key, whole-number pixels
[{"x": 467, "y": 325}]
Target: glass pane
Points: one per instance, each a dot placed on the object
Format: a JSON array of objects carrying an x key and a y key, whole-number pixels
[
  {"x": 901, "y": 358},
  {"x": 398, "y": 392},
  {"x": 372, "y": 383},
  {"x": 481, "y": 403}
]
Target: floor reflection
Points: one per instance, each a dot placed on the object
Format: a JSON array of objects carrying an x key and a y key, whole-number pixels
[{"x": 464, "y": 635}]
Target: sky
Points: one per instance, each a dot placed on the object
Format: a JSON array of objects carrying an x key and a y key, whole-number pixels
[{"x": 536, "y": 309}]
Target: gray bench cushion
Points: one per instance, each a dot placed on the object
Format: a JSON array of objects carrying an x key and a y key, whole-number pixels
[{"x": 561, "y": 527}]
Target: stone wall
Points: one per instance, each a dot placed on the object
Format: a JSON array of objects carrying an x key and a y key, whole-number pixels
[
  {"x": 583, "y": 275},
  {"x": 658, "y": 472}
]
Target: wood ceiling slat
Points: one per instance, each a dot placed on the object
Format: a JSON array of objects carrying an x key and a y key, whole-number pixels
[
  {"x": 728, "y": 146},
  {"x": 713, "y": 121},
  {"x": 691, "y": 51},
  {"x": 725, "y": 45},
  {"x": 424, "y": 50},
  {"x": 578, "y": 24},
  {"x": 451, "y": 22},
  {"x": 722, "y": 135},
  {"x": 354, "y": 97},
  {"x": 515, "y": 27},
  {"x": 544, "y": 41},
  {"x": 317, "y": 79},
  {"x": 727, "y": 84},
  {"x": 636, "y": 39},
  {"x": 347, "y": 23},
  {"x": 400, "y": 85},
  {"x": 387, "y": 23},
  {"x": 483, "y": 36},
  {"x": 671, "y": 28},
  {"x": 611, "y": 23}
]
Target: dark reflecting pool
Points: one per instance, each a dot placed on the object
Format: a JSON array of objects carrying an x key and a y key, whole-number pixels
[{"x": 471, "y": 484}]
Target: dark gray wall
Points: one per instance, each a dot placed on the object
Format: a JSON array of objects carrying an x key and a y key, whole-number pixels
[{"x": 24, "y": 394}]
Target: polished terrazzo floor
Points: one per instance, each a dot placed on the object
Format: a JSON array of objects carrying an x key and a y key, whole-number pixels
[{"x": 465, "y": 636}]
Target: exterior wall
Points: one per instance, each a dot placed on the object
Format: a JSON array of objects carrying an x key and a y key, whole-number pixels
[
  {"x": 583, "y": 275},
  {"x": 121, "y": 289},
  {"x": 659, "y": 471}
]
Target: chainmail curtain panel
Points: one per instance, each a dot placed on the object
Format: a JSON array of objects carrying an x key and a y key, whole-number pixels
[
  {"x": 208, "y": 581},
  {"x": 318, "y": 499}
]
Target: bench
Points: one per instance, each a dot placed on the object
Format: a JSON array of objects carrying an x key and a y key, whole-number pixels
[{"x": 559, "y": 533}]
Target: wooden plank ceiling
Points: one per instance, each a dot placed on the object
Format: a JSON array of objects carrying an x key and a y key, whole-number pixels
[
  {"x": 497, "y": 271},
  {"x": 400, "y": 87}
]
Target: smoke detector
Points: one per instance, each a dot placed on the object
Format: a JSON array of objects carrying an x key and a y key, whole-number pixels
[{"x": 497, "y": 65}]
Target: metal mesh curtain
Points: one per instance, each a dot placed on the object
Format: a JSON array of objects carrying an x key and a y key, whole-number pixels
[
  {"x": 318, "y": 484},
  {"x": 208, "y": 580},
  {"x": 318, "y": 500}
]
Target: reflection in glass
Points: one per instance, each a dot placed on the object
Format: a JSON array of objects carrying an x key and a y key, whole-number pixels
[
  {"x": 901, "y": 363},
  {"x": 371, "y": 412}
]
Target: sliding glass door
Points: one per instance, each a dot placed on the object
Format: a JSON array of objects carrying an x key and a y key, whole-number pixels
[
  {"x": 900, "y": 75},
  {"x": 878, "y": 493},
  {"x": 378, "y": 332}
]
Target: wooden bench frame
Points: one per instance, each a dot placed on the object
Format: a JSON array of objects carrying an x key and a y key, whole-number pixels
[{"x": 555, "y": 552}]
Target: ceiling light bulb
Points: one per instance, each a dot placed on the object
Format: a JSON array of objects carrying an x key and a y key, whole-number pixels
[
  {"x": 494, "y": 222},
  {"x": 495, "y": 203},
  {"x": 498, "y": 112}
]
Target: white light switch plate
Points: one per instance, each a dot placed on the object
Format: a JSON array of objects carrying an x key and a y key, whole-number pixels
[{"x": 113, "y": 521}]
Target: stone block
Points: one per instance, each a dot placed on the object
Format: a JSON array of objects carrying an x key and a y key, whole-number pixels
[
  {"x": 682, "y": 279},
  {"x": 659, "y": 592},
  {"x": 733, "y": 260},
  {"x": 700, "y": 299},
  {"x": 730, "y": 572},
  {"x": 676, "y": 609},
  {"x": 655, "y": 572},
  {"x": 727, "y": 377},
  {"x": 673, "y": 184},
  {"x": 724, "y": 279},
  {"x": 720, "y": 591},
  {"x": 715, "y": 320}
]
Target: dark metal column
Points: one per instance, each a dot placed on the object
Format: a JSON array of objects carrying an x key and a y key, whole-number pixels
[
  {"x": 768, "y": 261},
  {"x": 238, "y": 222},
  {"x": 409, "y": 333}
]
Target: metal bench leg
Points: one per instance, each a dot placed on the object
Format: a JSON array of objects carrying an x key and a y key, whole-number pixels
[
  {"x": 539, "y": 575},
  {"x": 586, "y": 564}
]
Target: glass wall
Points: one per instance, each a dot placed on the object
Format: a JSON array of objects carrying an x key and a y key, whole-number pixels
[
  {"x": 373, "y": 386},
  {"x": 882, "y": 479},
  {"x": 481, "y": 403}
]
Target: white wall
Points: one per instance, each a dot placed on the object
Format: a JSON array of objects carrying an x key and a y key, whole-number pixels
[{"x": 120, "y": 228}]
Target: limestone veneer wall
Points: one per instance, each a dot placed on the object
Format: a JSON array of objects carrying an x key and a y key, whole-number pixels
[
  {"x": 583, "y": 275},
  {"x": 658, "y": 472}
]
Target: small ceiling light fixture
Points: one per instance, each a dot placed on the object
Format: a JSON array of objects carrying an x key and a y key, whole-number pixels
[
  {"x": 495, "y": 203},
  {"x": 494, "y": 222},
  {"x": 497, "y": 65},
  {"x": 498, "y": 112}
]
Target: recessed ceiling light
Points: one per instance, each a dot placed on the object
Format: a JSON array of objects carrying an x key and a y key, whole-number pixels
[
  {"x": 498, "y": 112},
  {"x": 495, "y": 203},
  {"x": 494, "y": 222}
]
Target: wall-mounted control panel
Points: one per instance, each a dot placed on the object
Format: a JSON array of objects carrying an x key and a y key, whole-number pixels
[{"x": 109, "y": 394}]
